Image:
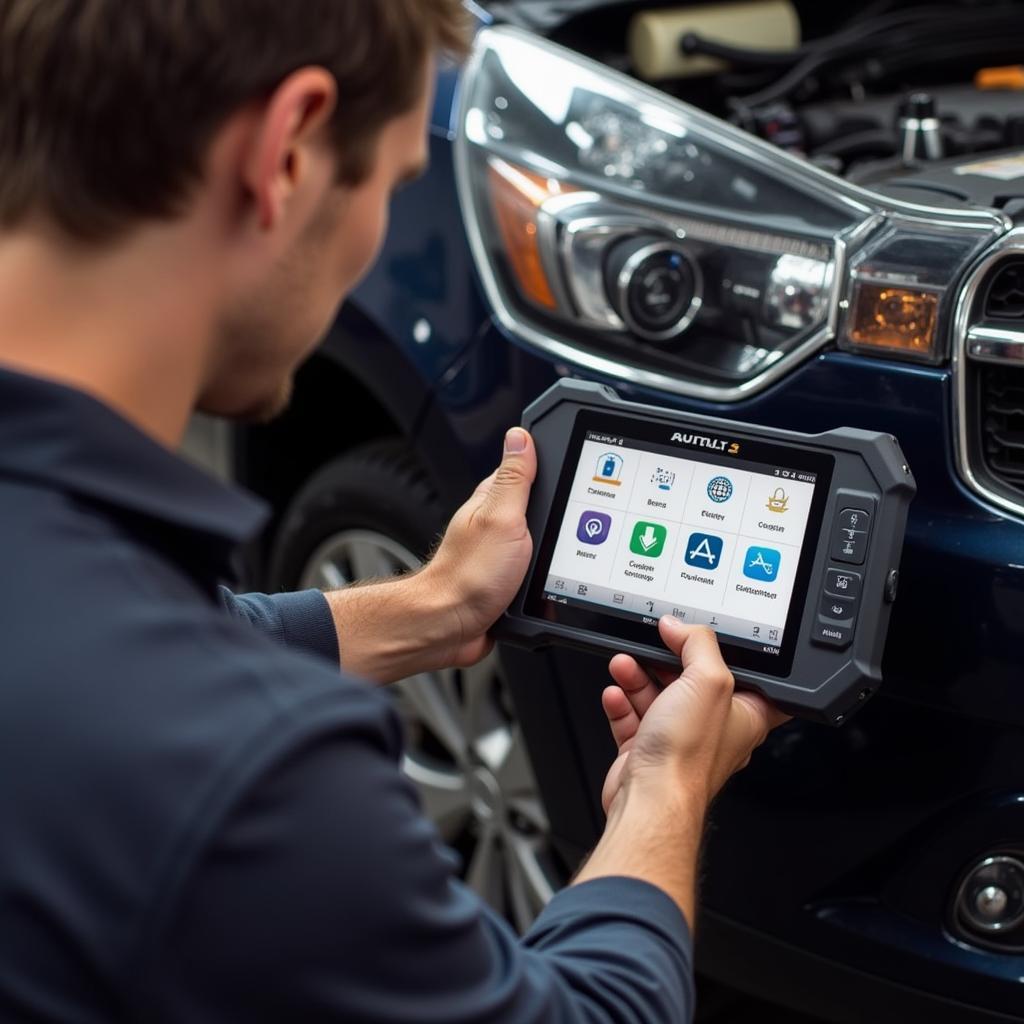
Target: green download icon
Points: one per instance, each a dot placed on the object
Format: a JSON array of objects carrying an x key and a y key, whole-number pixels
[{"x": 648, "y": 539}]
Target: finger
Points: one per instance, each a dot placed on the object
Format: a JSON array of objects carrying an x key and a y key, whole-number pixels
[
  {"x": 635, "y": 682},
  {"x": 621, "y": 716},
  {"x": 697, "y": 647},
  {"x": 509, "y": 491}
]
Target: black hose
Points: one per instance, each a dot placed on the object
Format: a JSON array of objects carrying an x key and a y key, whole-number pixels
[{"x": 917, "y": 27}]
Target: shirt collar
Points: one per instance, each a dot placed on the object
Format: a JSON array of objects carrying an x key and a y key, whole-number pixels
[{"x": 67, "y": 440}]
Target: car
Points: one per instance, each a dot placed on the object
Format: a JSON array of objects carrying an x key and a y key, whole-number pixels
[{"x": 825, "y": 234}]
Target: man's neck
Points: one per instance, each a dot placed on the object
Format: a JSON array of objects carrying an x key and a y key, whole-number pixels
[{"x": 124, "y": 324}]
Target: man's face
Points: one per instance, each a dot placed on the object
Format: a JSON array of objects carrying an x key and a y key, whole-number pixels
[{"x": 268, "y": 334}]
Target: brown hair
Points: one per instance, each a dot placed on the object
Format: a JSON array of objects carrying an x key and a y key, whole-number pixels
[{"x": 107, "y": 107}]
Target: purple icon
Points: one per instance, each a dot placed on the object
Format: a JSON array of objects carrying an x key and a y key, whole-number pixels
[{"x": 594, "y": 527}]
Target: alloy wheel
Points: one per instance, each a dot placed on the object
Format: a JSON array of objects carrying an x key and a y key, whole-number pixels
[{"x": 465, "y": 751}]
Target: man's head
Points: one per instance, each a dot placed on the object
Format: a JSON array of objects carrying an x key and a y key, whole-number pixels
[{"x": 279, "y": 131}]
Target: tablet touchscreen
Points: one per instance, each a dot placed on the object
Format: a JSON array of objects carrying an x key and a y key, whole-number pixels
[{"x": 651, "y": 519}]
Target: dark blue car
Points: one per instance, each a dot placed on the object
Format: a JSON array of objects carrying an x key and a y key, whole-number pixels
[{"x": 816, "y": 236}]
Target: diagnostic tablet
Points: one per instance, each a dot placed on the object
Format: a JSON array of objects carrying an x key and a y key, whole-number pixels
[{"x": 786, "y": 545}]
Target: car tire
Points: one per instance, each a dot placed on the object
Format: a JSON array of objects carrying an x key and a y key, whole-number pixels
[{"x": 372, "y": 513}]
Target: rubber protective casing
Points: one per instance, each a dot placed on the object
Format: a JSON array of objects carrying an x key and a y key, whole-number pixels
[{"x": 825, "y": 684}]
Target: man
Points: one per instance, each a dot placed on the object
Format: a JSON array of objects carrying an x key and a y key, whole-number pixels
[{"x": 202, "y": 819}]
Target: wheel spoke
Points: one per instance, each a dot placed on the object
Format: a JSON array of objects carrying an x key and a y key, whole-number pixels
[
  {"x": 478, "y": 684},
  {"x": 514, "y": 773},
  {"x": 368, "y": 561},
  {"x": 485, "y": 874},
  {"x": 330, "y": 577},
  {"x": 529, "y": 885},
  {"x": 493, "y": 748},
  {"x": 445, "y": 797},
  {"x": 432, "y": 701}
]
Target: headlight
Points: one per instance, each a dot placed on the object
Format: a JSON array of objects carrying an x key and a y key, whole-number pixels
[{"x": 629, "y": 233}]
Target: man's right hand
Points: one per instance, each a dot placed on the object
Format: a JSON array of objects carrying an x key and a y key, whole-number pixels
[
  {"x": 677, "y": 748},
  {"x": 694, "y": 727}
]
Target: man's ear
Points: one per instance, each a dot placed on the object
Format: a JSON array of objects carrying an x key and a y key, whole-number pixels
[{"x": 286, "y": 136}]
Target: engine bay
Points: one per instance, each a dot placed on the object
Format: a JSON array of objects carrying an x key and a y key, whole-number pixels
[{"x": 842, "y": 88}]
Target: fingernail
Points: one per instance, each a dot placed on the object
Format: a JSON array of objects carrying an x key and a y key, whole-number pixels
[
  {"x": 672, "y": 620},
  {"x": 515, "y": 441}
]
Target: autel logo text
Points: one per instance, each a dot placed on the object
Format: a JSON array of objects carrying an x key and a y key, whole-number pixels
[{"x": 699, "y": 441}]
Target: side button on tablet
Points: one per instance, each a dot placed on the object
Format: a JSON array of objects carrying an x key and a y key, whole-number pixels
[
  {"x": 832, "y": 634},
  {"x": 850, "y": 537},
  {"x": 843, "y": 583},
  {"x": 839, "y": 608}
]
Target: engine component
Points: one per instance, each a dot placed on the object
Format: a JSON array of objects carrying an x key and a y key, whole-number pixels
[
  {"x": 655, "y": 36},
  {"x": 920, "y": 129}
]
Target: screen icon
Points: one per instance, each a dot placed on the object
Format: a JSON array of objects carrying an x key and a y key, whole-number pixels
[
  {"x": 648, "y": 539},
  {"x": 609, "y": 469},
  {"x": 594, "y": 527},
  {"x": 762, "y": 564},
  {"x": 703, "y": 551},
  {"x": 778, "y": 502},
  {"x": 663, "y": 479},
  {"x": 619, "y": 598},
  {"x": 720, "y": 489}
]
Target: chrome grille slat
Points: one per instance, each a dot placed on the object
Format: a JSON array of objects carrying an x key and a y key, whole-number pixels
[{"x": 988, "y": 373}]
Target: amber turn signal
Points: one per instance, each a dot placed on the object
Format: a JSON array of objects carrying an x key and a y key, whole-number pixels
[
  {"x": 901, "y": 320},
  {"x": 516, "y": 196}
]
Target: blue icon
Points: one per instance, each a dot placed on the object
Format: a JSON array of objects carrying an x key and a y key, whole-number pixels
[
  {"x": 663, "y": 479},
  {"x": 762, "y": 564},
  {"x": 593, "y": 528},
  {"x": 720, "y": 489},
  {"x": 703, "y": 551},
  {"x": 609, "y": 469}
]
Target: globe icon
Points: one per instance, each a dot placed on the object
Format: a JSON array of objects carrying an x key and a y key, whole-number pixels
[{"x": 720, "y": 489}]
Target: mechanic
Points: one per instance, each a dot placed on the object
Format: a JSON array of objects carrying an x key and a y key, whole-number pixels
[{"x": 202, "y": 818}]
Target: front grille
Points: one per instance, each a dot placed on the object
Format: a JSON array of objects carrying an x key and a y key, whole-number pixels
[
  {"x": 1004, "y": 296},
  {"x": 1001, "y": 412},
  {"x": 991, "y": 385}
]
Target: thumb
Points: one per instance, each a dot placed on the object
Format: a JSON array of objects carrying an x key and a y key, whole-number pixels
[
  {"x": 510, "y": 486},
  {"x": 697, "y": 647}
]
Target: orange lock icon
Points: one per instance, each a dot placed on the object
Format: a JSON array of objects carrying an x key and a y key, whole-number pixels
[{"x": 779, "y": 501}]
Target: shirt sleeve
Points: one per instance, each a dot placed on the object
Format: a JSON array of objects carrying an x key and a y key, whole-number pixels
[
  {"x": 301, "y": 621},
  {"x": 327, "y": 897}
]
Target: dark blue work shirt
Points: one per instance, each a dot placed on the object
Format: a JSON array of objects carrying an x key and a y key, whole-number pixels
[{"x": 204, "y": 821}]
